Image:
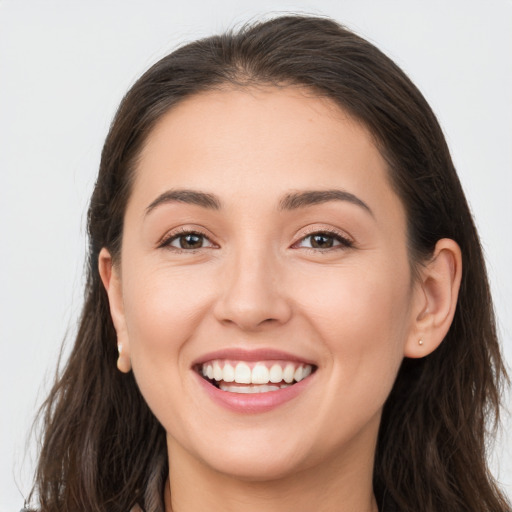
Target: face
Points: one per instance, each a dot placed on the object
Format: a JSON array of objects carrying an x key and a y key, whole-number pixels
[{"x": 264, "y": 293}]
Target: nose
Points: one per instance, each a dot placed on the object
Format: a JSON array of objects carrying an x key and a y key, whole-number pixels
[{"x": 252, "y": 296}]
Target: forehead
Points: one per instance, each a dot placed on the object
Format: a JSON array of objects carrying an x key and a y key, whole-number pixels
[
  {"x": 257, "y": 142},
  {"x": 267, "y": 119}
]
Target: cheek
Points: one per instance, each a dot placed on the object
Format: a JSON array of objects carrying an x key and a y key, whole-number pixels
[
  {"x": 163, "y": 307},
  {"x": 362, "y": 318},
  {"x": 353, "y": 301}
]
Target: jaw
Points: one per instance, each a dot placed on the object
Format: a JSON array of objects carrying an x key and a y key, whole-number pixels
[{"x": 273, "y": 480}]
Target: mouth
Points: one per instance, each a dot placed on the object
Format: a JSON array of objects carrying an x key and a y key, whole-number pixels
[{"x": 253, "y": 377}]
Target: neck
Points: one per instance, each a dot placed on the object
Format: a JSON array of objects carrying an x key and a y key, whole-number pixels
[{"x": 339, "y": 487}]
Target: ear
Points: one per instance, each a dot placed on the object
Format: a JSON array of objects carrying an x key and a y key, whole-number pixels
[
  {"x": 110, "y": 276},
  {"x": 435, "y": 299}
]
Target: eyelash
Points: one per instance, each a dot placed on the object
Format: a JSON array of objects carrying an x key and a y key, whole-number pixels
[
  {"x": 343, "y": 242},
  {"x": 175, "y": 236}
]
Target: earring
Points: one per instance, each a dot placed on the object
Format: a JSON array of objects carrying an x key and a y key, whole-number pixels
[
  {"x": 123, "y": 362},
  {"x": 420, "y": 342}
]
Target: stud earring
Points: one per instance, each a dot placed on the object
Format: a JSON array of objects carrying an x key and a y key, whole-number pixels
[
  {"x": 420, "y": 342},
  {"x": 124, "y": 364}
]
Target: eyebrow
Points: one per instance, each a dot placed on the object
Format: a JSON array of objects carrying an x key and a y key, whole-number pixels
[
  {"x": 186, "y": 196},
  {"x": 306, "y": 198},
  {"x": 292, "y": 201}
]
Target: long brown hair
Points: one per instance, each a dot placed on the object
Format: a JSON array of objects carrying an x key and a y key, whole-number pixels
[{"x": 102, "y": 448}]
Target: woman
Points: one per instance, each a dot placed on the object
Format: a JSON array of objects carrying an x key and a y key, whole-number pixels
[{"x": 284, "y": 269}]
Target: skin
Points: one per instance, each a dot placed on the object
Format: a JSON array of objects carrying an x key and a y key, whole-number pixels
[{"x": 353, "y": 309}]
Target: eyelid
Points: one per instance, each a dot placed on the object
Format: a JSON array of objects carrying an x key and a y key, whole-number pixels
[
  {"x": 346, "y": 241},
  {"x": 164, "y": 241}
]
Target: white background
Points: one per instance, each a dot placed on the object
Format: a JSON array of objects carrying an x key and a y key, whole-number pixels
[{"x": 64, "y": 66}]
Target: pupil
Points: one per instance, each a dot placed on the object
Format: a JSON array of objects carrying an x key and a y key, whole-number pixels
[
  {"x": 191, "y": 241},
  {"x": 321, "y": 241}
]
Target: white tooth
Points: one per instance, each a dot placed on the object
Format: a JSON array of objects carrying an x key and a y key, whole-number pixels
[
  {"x": 297, "y": 376},
  {"x": 217, "y": 371},
  {"x": 242, "y": 374},
  {"x": 276, "y": 373},
  {"x": 266, "y": 389},
  {"x": 282, "y": 386},
  {"x": 249, "y": 389},
  {"x": 307, "y": 371},
  {"x": 260, "y": 374},
  {"x": 203, "y": 370},
  {"x": 230, "y": 389},
  {"x": 209, "y": 371},
  {"x": 288, "y": 373},
  {"x": 228, "y": 373}
]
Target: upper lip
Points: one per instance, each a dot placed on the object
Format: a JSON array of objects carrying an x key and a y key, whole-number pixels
[{"x": 260, "y": 354}]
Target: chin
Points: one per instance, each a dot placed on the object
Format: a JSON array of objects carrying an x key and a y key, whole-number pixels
[
  {"x": 248, "y": 454},
  {"x": 258, "y": 469}
]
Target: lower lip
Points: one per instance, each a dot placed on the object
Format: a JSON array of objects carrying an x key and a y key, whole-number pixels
[{"x": 253, "y": 403}]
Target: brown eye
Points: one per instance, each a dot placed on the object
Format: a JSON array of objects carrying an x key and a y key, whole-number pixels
[
  {"x": 324, "y": 240},
  {"x": 188, "y": 241},
  {"x": 191, "y": 241}
]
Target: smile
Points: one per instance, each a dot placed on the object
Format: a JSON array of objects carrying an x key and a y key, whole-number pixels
[{"x": 251, "y": 377}]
